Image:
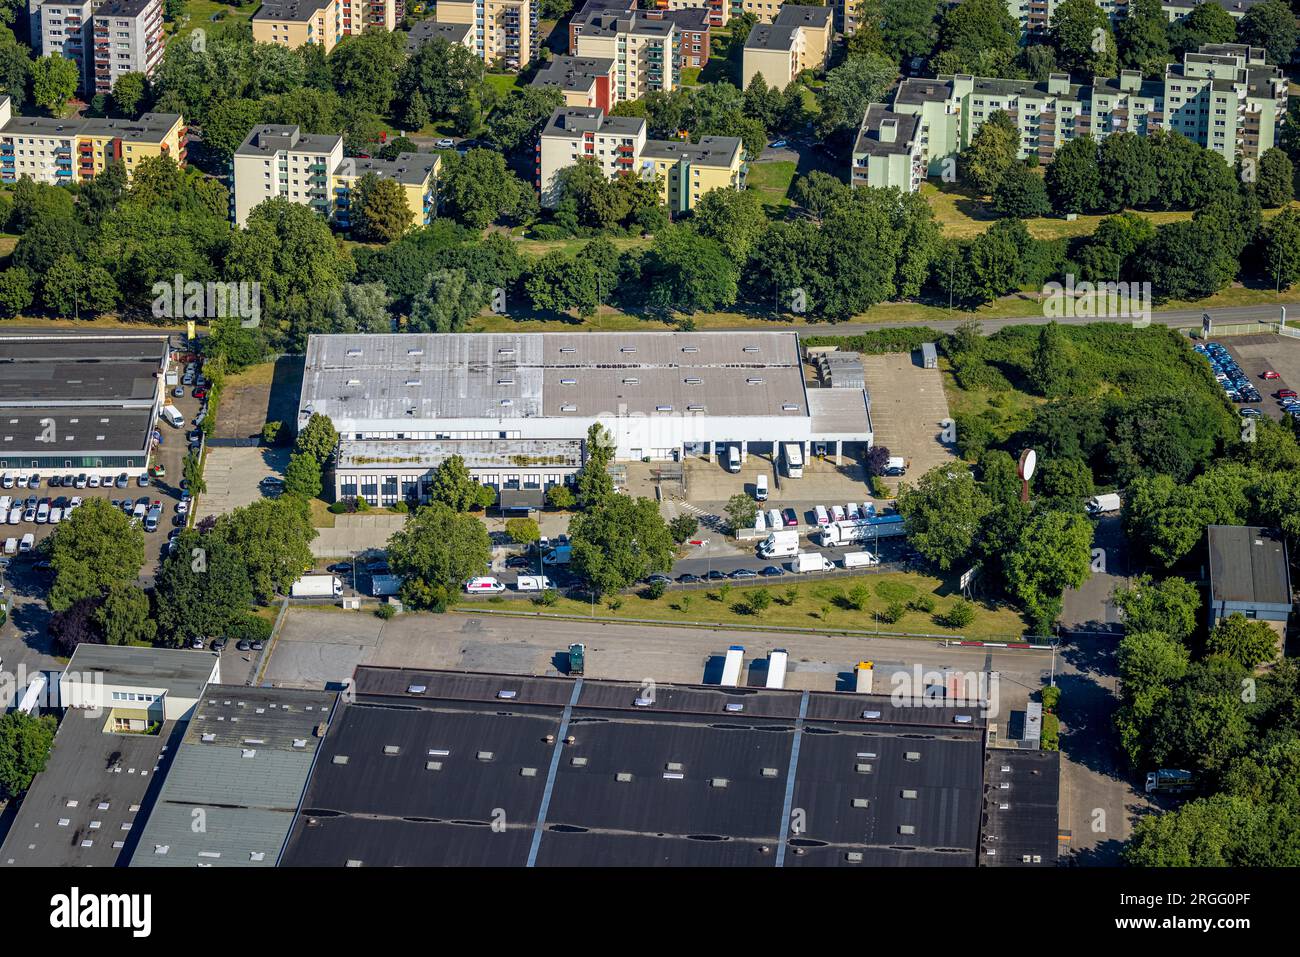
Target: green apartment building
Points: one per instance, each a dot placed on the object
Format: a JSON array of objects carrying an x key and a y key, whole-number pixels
[{"x": 1224, "y": 97}]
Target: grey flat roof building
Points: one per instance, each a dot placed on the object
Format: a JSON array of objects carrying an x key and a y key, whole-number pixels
[
  {"x": 243, "y": 762},
  {"x": 425, "y": 31},
  {"x": 684, "y": 779},
  {"x": 1249, "y": 573}
]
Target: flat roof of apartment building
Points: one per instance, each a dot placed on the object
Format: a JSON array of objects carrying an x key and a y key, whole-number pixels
[
  {"x": 610, "y": 23},
  {"x": 149, "y": 128},
  {"x": 570, "y": 120},
  {"x": 268, "y": 139},
  {"x": 295, "y": 11},
  {"x": 690, "y": 775},
  {"x": 425, "y": 31},
  {"x": 878, "y": 117},
  {"x": 126, "y": 8},
  {"x": 573, "y": 74},
  {"x": 409, "y": 169},
  {"x": 769, "y": 36},
  {"x": 718, "y": 151},
  {"x": 794, "y": 15}
]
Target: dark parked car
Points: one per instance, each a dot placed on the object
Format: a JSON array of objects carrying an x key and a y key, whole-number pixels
[
  {"x": 790, "y": 516},
  {"x": 218, "y": 644},
  {"x": 744, "y": 573},
  {"x": 244, "y": 646},
  {"x": 519, "y": 561},
  {"x": 716, "y": 576},
  {"x": 771, "y": 571},
  {"x": 689, "y": 579}
]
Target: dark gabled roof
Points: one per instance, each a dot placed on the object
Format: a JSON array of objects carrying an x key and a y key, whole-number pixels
[{"x": 1248, "y": 564}]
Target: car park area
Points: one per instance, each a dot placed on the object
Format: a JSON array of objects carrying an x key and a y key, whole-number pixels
[{"x": 1270, "y": 363}]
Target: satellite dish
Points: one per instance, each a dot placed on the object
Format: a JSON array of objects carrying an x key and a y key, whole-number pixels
[{"x": 1028, "y": 462}]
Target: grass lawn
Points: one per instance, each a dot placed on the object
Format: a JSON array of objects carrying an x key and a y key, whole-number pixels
[
  {"x": 200, "y": 15},
  {"x": 815, "y": 605},
  {"x": 505, "y": 82},
  {"x": 540, "y": 247},
  {"x": 261, "y": 374},
  {"x": 690, "y": 76},
  {"x": 772, "y": 180},
  {"x": 7, "y": 243}
]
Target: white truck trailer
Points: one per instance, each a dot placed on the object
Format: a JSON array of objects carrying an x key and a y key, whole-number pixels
[
  {"x": 732, "y": 666},
  {"x": 793, "y": 454},
  {"x": 777, "y": 662},
  {"x": 811, "y": 562},
  {"x": 317, "y": 586}
]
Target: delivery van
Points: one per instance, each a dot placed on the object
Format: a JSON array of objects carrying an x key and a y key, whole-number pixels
[
  {"x": 760, "y": 489},
  {"x": 172, "y": 416},
  {"x": 733, "y": 458},
  {"x": 534, "y": 583}
]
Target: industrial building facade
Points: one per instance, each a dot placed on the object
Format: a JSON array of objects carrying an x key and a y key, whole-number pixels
[
  {"x": 517, "y": 407},
  {"x": 78, "y": 402}
]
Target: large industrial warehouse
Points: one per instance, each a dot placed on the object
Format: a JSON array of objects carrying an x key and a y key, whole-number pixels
[
  {"x": 517, "y": 406},
  {"x": 82, "y": 403}
]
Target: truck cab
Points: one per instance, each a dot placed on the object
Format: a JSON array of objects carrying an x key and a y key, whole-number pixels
[{"x": 577, "y": 658}]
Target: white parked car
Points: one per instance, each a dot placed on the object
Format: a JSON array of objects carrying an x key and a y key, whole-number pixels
[
  {"x": 42, "y": 513},
  {"x": 480, "y": 586},
  {"x": 15, "y": 515},
  {"x": 93, "y": 481},
  {"x": 56, "y": 516},
  {"x": 22, "y": 480}
]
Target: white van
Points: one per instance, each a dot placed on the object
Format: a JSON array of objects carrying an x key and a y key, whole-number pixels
[
  {"x": 11, "y": 546},
  {"x": 823, "y": 517},
  {"x": 484, "y": 586},
  {"x": 760, "y": 522},
  {"x": 760, "y": 489},
  {"x": 5, "y": 502},
  {"x": 774, "y": 518},
  {"x": 837, "y": 513},
  {"x": 42, "y": 513},
  {"x": 532, "y": 583},
  {"x": 8, "y": 480},
  {"x": 733, "y": 458},
  {"x": 172, "y": 416},
  {"x": 28, "y": 543}
]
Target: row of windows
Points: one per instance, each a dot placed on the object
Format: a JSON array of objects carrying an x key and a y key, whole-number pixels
[{"x": 133, "y": 696}]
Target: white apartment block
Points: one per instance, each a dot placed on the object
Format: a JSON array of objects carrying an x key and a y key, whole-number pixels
[
  {"x": 104, "y": 39},
  {"x": 646, "y": 52}
]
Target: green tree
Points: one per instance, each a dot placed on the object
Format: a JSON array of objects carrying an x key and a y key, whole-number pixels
[
  {"x": 318, "y": 438},
  {"x": 1275, "y": 183},
  {"x": 229, "y": 123},
  {"x": 514, "y": 124},
  {"x": 1271, "y": 25},
  {"x": 1247, "y": 642},
  {"x": 302, "y": 477},
  {"x": 129, "y": 92},
  {"x": 94, "y": 550},
  {"x": 683, "y": 528},
  {"x": 560, "y": 496},
  {"x": 448, "y": 302},
  {"x": 192, "y": 473},
  {"x": 1053, "y": 369},
  {"x": 1170, "y": 606},
  {"x": 908, "y": 26},
  {"x": 54, "y": 81},
  {"x": 994, "y": 148},
  {"x": 1281, "y": 249},
  {"x": 943, "y": 513},
  {"x": 1020, "y": 193},
  {"x": 732, "y": 218},
  {"x": 740, "y": 510},
  {"x": 25, "y": 743},
  {"x": 125, "y": 616},
  {"x": 1081, "y": 33},
  {"x": 381, "y": 211},
  {"x": 1207, "y": 23},
  {"x": 620, "y": 541},
  {"x": 977, "y": 27},
  {"x": 364, "y": 68},
  {"x": 593, "y": 482},
  {"x": 16, "y": 292},
  {"x": 477, "y": 189},
  {"x": 523, "y": 531},
  {"x": 1054, "y": 553},
  {"x": 274, "y": 537},
  {"x": 1143, "y": 38},
  {"x": 73, "y": 287},
  {"x": 202, "y": 587},
  {"x": 1073, "y": 178},
  {"x": 437, "y": 551},
  {"x": 850, "y": 87},
  {"x": 1124, "y": 164},
  {"x": 453, "y": 486},
  {"x": 685, "y": 272}
]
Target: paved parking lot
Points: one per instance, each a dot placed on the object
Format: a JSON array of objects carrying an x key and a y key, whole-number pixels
[
  {"x": 264, "y": 393},
  {"x": 232, "y": 475},
  {"x": 1262, "y": 353},
  {"x": 908, "y": 406}
]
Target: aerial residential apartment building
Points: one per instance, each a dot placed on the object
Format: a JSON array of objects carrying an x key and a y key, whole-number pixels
[
  {"x": 104, "y": 39},
  {"x": 52, "y": 150},
  {"x": 887, "y": 151},
  {"x": 645, "y": 51},
  {"x": 798, "y": 39},
  {"x": 295, "y": 23},
  {"x": 504, "y": 30},
  {"x": 584, "y": 81},
  {"x": 590, "y": 7},
  {"x": 1035, "y": 16},
  {"x": 694, "y": 33},
  {"x": 1225, "y": 97},
  {"x": 426, "y": 31},
  {"x": 618, "y": 144},
  {"x": 718, "y": 11},
  {"x": 278, "y": 160}
]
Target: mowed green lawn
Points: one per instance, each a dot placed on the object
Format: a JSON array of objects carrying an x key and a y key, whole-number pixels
[
  {"x": 807, "y": 604},
  {"x": 772, "y": 181}
]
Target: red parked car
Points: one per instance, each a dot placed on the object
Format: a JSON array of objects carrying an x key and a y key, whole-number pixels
[
  {"x": 1270, "y": 374},
  {"x": 1286, "y": 393}
]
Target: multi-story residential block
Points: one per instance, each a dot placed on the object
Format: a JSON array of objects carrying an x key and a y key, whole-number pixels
[
  {"x": 294, "y": 23},
  {"x": 104, "y": 39},
  {"x": 584, "y": 81},
  {"x": 766, "y": 10},
  {"x": 618, "y": 144},
  {"x": 51, "y": 150},
  {"x": 425, "y": 31},
  {"x": 623, "y": 7},
  {"x": 1225, "y": 97},
  {"x": 694, "y": 33},
  {"x": 279, "y": 160},
  {"x": 127, "y": 37},
  {"x": 799, "y": 39},
  {"x": 887, "y": 151},
  {"x": 504, "y": 30},
  {"x": 645, "y": 52},
  {"x": 1035, "y": 16}
]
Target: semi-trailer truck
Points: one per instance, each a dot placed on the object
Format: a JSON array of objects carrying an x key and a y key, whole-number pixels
[
  {"x": 860, "y": 531},
  {"x": 780, "y": 544},
  {"x": 317, "y": 586}
]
